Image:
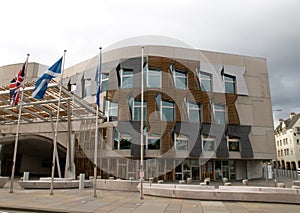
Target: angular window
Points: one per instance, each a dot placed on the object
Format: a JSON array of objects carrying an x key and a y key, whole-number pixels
[
  {"x": 208, "y": 143},
  {"x": 233, "y": 144},
  {"x": 87, "y": 87},
  {"x": 153, "y": 142},
  {"x": 205, "y": 81},
  {"x": 153, "y": 77},
  {"x": 181, "y": 143},
  {"x": 72, "y": 87},
  {"x": 137, "y": 110},
  {"x": 111, "y": 109},
  {"x": 125, "y": 141},
  {"x": 126, "y": 78},
  {"x": 180, "y": 78},
  {"x": 167, "y": 110},
  {"x": 194, "y": 112},
  {"x": 121, "y": 141},
  {"x": 219, "y": 113},
  {"x": 104, "y": 82},
  {"x": 229, "y": 84}
]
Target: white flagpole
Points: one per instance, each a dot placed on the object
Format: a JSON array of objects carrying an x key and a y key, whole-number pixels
[
  {"x": 56, "y": 126},
  {"x": 96, "y": 129},
  {"x": 17, "y": 132},
  {"x": 142, "y": 125}
]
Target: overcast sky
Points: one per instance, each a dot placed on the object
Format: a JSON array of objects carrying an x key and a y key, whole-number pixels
[{"x": 263, "y": 28}]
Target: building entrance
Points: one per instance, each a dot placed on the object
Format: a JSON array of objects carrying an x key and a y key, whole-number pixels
[{"x": 207, "y": 170}]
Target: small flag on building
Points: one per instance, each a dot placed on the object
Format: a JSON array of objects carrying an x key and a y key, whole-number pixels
[
  {"x": 15, "y": 85},
  {"x": 42, "y": 83}
]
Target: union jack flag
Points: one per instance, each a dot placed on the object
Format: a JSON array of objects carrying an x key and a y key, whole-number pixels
[{"x": 15, "y": 85}]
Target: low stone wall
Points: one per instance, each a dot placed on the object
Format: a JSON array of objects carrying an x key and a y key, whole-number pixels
[
  {"x": 119, "y": 185},
  {"x": 3, "y": 181},
  {"x": 224, "y": 193},
  {"x": 57, "y": 184}
]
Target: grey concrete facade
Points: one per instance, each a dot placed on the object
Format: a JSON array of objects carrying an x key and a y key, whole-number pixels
[{"x": 249, "y": 107}]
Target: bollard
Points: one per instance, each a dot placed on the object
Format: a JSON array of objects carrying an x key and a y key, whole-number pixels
[
  {"x": 280, "y": 185},
  {"x": 225, "y": 180},
  {"x": 81, "y": 181},
  {"x": 245, "y": 182},
  {"x": 227, "y": 184},
  {"x": 25, "y": 176},
  {"x": 189, "y": 180}
]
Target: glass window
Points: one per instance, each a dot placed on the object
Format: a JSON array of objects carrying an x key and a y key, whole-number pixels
[
  {"x": 116, "y": 138},
  {"x": 125, "y": 141},
  {"x": 180, "y": 79},
  {"x": 219, "y": 112},
  {"x": 181, "y": 143},
  {"x": 137, "y": 110},
  {"x": 121, "y": 140},
  {"x": 153, "y": 142},
  {"x": 87, "y": 87},
  {"x": 233, "y": 144},
  {"x": 126, "y": 78},
  {"x": 154, "y": 77},
  {"x": 167, "y": 110},
  {"x": 205, "y": 81},
  {"x": 111, "y": 109},
  {"x": 194, "y": 112},
  {"x": 208, "y": 143},
  {"x": 229, "y": 84},
  {"x": 104, "y": 82}
]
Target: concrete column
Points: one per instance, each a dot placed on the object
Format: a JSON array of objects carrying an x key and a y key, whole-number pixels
[{"x": 70, "y": 171}]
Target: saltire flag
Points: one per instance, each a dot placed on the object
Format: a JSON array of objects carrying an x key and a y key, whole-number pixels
[
  {"x": 42, "y": 83},
  {"x": 98, "y": 87},
  {"x": 15, "y": 85}
]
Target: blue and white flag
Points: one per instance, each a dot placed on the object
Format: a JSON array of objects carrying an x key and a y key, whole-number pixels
[
  {"x": 42, "y": 83},
  {"x": 98, "y": 86}
]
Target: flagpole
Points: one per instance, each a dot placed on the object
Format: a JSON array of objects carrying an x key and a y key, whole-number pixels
[
  {"x": 11, "y": 190},
  {"x": 96, "y": 129},
  {"x": 142, "y": 124},
  {"x": 56, "y": 126}
]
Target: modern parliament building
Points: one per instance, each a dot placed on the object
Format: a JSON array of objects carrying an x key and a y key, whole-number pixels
[{"x": 205, "y": 114}]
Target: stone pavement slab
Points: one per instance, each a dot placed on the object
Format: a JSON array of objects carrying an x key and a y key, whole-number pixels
[{"x": 83, "y": 201}]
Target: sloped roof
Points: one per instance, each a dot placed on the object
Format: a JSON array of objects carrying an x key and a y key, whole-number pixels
[{"x": 289, "y": 123}]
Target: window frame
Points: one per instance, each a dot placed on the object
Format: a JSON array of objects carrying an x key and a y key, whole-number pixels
[
  {"x": 87, "y": 87},
  {"x": 104, "y": 80},
  {"x": 231, "y": 82},
  {"x": 122, "y": 76},
  {"x": 162, "y": 107},
  {"x": 194, "y": 109},
  {"x": 216, "y": 110},
  {"x": 175, "y": 77},
  {"x": 181, "y": 138},
  {"x": 134, "y": 106},
  {"x": 109, "y": 108},
  {"x": 210, "y": 139},
  {"x": 151, "y": 137},
  {"x": 151, "y": 71},
  {"x": 231, "y": 139},
  {"x": 202, "y": 79},
  {"x": 119, "y": 136}
]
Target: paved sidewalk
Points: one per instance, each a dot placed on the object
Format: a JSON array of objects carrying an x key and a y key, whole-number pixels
[{"x": 74, "y": 200}]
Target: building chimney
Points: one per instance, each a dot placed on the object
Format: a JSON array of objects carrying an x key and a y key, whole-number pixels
[{"x": 292, "y": 115}]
